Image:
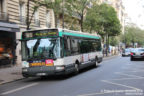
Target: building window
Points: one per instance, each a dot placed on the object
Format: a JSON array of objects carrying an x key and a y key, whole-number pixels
[
  {"x": 22, "y": 13},
  {"x": 36, "y": 18},
  {"x": 1, "y": 5},
  {"x": 48, "y": 20},
  {"x": 58, "y": 23},
  {"x": 3, "y": 14}
]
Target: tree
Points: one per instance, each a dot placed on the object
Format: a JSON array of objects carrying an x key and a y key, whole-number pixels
[
  {"x": 132, "y": 35},
  {"x": 79, "y": 8},
  {"x": 114, "y": 41},
  {"x": 61, "y": 8},
  {"x": 91, "y": 20},
  {"x": 35, "y": 7},
  {"x": 103, "y": 20},
  {"x": 94, "y": 21}
]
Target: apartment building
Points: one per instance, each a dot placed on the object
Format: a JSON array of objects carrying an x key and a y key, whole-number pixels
[{"x": 13, "y": 15}]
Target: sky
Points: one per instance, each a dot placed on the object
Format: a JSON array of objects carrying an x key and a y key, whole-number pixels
[{"x": 135, "y": 10}]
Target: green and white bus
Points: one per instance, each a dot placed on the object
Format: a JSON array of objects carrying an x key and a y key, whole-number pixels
[{"x": 58, "y": 51}]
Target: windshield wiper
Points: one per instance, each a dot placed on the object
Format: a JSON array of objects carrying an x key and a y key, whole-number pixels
[
  {"x": 36, "y": 45},
  {"x": 31, "y": 58},
  {"x": 51, "y": 51}
]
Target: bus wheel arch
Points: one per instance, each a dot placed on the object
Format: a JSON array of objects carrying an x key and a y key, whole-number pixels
[
  {"x": 77, "y": 62},
  {"x": 76, "y": 67},
  {"x": 96, "y": 61}
]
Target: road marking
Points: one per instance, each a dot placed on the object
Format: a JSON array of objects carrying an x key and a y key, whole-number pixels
[
  {"x": 18, "y": 89},
  {"x": 129, "y": 64},
  {"x": 125, "y": 67},
  {"x": 120, "y": 85},
  {"x": 129, "y": 75},
  {"x": 136, "y": 71},
  {"x": 93, "y": 94},
  {"x": 125, "y": 79},
  {"x": 133, "y": 76}
]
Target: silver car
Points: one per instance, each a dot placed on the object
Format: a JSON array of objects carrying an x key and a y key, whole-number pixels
[
  {"x": 126, "y": 52},
  {"x": 137, "y": 53}
]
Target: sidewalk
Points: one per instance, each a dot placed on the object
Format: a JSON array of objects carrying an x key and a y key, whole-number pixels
[
  {"x": 111, "y": 56},
  {"x": 10, "y": 74},
  {"x": 14, "y": 73}
]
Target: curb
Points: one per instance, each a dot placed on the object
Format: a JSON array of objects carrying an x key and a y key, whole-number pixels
[
  {"x": 110, "y": 57},
  {"x": 12, "y": 81}
]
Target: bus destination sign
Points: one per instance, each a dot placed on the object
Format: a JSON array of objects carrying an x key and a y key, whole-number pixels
[{"x": 40, "y": 33}]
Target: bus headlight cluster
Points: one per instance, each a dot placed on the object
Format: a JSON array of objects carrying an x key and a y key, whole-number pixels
[
  {"x": 25, "y": 64},
  {"x": 24, "y": 70}
]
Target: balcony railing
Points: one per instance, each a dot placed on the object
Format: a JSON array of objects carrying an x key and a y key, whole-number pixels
[
  {"x": 37, "y": 22},
  {"x": 4, "y": 17},
  {"x": 22, "y": 20},
  {"x": 48, "y": 24}
]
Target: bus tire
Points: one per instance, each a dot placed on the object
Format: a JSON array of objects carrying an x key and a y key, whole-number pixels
[
  {"x": 76, "y": 69},
  {"x": 132, "y": 59},
  {"x": 25, "y": 76}
]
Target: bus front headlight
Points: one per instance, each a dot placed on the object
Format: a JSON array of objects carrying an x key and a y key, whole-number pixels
[
  {"x": 24, "y": 70},
  {"x": 25, "y": 64}
]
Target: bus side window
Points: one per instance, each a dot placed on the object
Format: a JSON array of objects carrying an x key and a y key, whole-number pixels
[
  {"x": 74, "y": 46},
  {"x": 94, "y": 44},
  {"x": 84, "y": 46},
  {"x": 67, "y": 48},
  {"x": 97, "y": 45},
  {"x": 91, "y": 47}
]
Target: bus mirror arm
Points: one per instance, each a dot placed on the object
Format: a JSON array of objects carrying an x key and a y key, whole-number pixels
[
  {"x": 19, "y": 40},
  {"x": 54, "y": 58}
]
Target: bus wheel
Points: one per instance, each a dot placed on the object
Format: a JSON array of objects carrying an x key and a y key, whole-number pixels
[{"x": 76, "y": 69}]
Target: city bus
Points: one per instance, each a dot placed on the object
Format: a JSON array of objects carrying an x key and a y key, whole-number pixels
[{"x": 58, "y": 52}]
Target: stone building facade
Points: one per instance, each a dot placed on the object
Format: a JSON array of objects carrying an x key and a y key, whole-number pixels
[{"x": 13, "y": 15}]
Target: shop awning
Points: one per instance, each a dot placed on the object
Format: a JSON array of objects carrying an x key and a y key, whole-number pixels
[{"x": 9, "y": 27}]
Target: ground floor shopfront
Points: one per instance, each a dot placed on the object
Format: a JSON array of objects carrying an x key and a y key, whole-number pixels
[{"x": 8, "y": 43}]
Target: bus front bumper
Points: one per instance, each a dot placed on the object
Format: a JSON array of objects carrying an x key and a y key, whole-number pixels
[{"x": 43, "y": 71}]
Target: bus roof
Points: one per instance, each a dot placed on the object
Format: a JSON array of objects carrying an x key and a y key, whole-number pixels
[
  {"x": 63, "y": 32},
  {"x": 77, "y": 34}
]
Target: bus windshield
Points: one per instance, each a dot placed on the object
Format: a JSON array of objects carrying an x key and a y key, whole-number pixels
[{"x": 47, "y": 48}]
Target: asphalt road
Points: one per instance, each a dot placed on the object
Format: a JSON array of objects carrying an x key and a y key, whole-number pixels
[{"x": 117, "y": 76}]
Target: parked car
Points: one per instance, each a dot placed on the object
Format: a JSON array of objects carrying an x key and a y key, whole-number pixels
[
  {"x": 126, "y": 52},
  {"x": 137, "y": 53}
]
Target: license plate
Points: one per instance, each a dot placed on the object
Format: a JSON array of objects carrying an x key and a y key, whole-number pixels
[
  {"x": 41, "y": 74},
  {"x": 137, "y": 53},
  {"x": 137, "y": 57}
]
